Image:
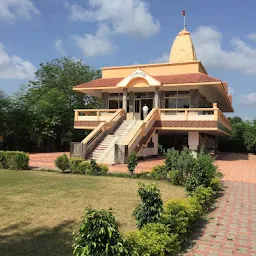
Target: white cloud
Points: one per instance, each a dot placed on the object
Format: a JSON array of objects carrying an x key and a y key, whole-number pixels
[
  {"x": 249, "y": 99},
  {"x": 58, "y": 45},
  {"x": 12, "y": 10},
  {"x": 94, "y": 45},
  {"x": 130, "y": 17},
  {"x": 164, "y": 58},
  {"x": 14, "y": 67},
  {"x": 252, "y": 36},
  {"x": 240, "y": 56}
]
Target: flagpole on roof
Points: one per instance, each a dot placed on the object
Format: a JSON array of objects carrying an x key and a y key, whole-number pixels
[{"x": 184, "y": 18}]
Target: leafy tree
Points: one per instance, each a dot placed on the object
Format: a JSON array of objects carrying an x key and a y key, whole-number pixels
[{"x": 250, "y": 136}]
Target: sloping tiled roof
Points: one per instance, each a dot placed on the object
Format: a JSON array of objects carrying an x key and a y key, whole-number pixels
[{"x": 165, "y": 79}]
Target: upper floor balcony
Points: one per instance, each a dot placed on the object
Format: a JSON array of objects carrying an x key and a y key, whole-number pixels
[{"x": 173, "y": 119}]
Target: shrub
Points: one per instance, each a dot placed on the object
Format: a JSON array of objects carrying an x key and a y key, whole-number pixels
[
  {"x": 74, "y": 164},
  {"x": 151, "y": 208},
  {"x": 204, "y": 169},
  {"x": 83, "y": 167},
  {"x": 186, "y": 162},
  {"x": 191, "y": 184},
  {"x": 215, "y": 184},
  {"x": 62, "y": 162},
  {"x": 104, "y": 169},
  {"x": 171, "y": 159},
  {"x": 95, "y": 169},
  {"x": 177, "y": 218},
  {"x": 159, "y": 172},
  {"x": 132, "y": 162},
  {"x": 204, "y": 196},
  {"x": 154, "y": 239},
  {"x": 176, "y": 177},
  {"x": 98, "y": 235},
  {"x": 16, "y": 160}
]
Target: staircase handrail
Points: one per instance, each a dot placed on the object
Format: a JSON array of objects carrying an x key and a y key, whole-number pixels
[
  {"x": 146, "y": 125},
  {"x": 102, "y": 127}
]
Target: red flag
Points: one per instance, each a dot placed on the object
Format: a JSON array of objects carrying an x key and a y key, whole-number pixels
[{"x": 183, "y": 12}]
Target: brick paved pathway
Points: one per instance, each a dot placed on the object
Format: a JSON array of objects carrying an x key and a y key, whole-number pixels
[{"x": 231, "y": 227}]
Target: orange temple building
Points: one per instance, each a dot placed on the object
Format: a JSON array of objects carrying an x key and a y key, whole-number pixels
[{"x": 185, "y": 108}]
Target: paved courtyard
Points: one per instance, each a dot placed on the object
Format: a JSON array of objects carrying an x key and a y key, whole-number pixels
[{"x": 230, "y": 229}]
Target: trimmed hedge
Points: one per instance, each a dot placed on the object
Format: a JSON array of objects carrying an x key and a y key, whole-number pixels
[{"x": 15, "y": 160}]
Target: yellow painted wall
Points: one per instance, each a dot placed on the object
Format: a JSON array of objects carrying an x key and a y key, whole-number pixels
[{"x": 154, "y": 69}]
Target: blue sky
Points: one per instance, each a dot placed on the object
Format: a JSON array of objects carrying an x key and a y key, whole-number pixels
[{"x": 123, "y": 32}]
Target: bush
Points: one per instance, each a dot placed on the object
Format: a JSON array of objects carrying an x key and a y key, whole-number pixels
[
  {"x": 62, "y": 162},
  {"x": 180, "y": 214},
  {"x": 74, "y": 164},
  {"x": 132, "y": 162},
  {"x": 215, "y": 184},
  {"x": 98, "y": 235},
  {"x": 204, "y": 169},
  {"x": 159, "y": 172},
  {"x": 95, "y": 169},
  {"x": 204, "y": 196},
  {"x": 154, "y": 239},
  {"x": 171, "y": 158},
  {"x": 191, "y": 184},
  {"x": 151, "y": 208},
  {"x": 16, "y": 160},
  {"x": 177, "y": 217},
  {"x": 83, "y": 167},
  {"x": 176, "y": 177}
]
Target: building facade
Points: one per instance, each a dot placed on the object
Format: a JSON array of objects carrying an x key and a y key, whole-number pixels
[{"x": 185, "y": 108}]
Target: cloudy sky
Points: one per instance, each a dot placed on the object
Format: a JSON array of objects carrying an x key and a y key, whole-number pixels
[{"x": 123, "y": 32}]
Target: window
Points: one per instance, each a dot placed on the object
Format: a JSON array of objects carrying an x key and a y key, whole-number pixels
[{"x": 177, "y": 99}]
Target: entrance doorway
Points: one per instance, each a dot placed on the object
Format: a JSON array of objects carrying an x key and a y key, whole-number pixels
[{"x": 139, "y": 103}]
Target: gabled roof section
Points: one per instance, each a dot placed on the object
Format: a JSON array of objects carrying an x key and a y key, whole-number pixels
[
  {"x": 165, "y": 79},
  {"x": 139, "y": 73}
]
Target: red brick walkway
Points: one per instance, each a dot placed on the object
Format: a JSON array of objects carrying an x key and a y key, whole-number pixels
[{"x": 231, "y": 227}]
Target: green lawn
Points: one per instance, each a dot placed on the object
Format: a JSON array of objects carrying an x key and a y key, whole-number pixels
[{"x": 40, "y": 210}]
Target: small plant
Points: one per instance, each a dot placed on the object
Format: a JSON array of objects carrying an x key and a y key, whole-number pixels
[
  {"x": 204, "y": 196},
  {"x": 98, "y": 235},
  {"x": 15, "y": 160},
  {"x": 74, "y": 164},
  {"x": 62, "y": 162},
  {"x": 154, "y": 239},
  {"x": 132, "y": 162},
  {"x": 97, "y": 169},
  {"x": 151, "y": 208},
  {"x": 159, "y": 172},
  {"x": 83, "y": 167},
  {"x": 171, "y": 158},
  {"x": 176, "y": 177}
]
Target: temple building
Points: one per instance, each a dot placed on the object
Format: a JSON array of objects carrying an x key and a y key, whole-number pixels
[{"x": 185, "y": 108}]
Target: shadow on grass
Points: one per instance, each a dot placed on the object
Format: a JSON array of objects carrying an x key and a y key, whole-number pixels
[{"x": 42, "y": 241}]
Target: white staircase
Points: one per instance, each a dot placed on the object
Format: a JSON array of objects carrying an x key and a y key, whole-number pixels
[{"x": 105, "y": 151}]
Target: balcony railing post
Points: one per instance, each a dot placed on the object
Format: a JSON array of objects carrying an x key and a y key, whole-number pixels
[
  {"x": 216, "y": 111},
  {"x": 98, "y": 115},
  {"x": 186, "y": 115},
  {"x": 76, "y": 115}
]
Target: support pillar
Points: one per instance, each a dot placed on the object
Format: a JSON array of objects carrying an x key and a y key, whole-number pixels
[
  {"x": 193, "y": 141},
  {"x": 156, "y": 98},
  {"x": 125, "y": 100},
  {"x": 105, "y": 100}
]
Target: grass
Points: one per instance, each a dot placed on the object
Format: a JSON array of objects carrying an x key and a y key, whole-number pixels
[{"x": 40, "y": 210}]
